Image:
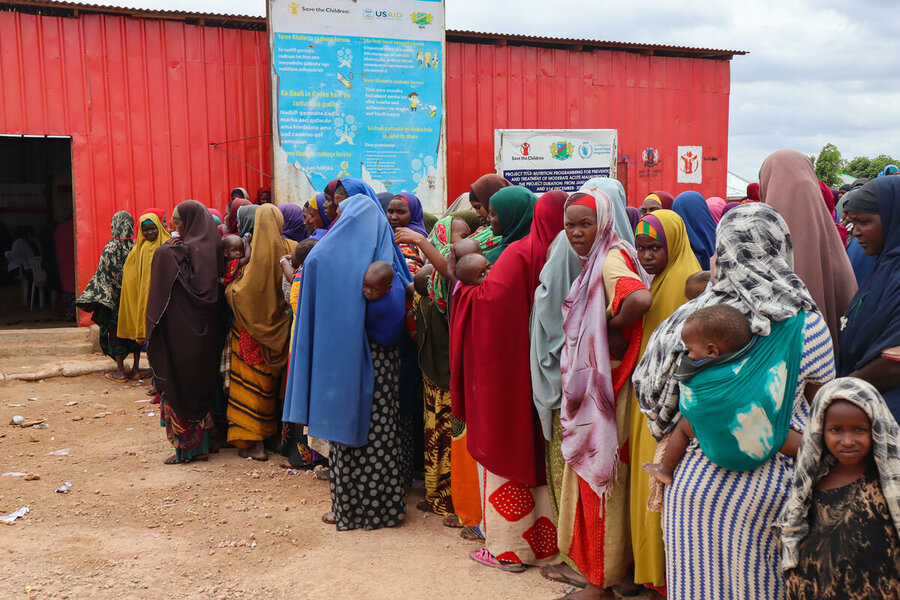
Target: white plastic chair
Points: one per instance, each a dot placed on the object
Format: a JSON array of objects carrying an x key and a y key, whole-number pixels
[
  {"x": 39, "y": 279},
  {"x": 21, "y": 275}
]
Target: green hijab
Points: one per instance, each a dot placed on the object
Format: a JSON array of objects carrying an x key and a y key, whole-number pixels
[{"x": 514, "y": 206}]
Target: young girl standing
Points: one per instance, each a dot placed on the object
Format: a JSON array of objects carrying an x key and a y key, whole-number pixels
[{"x": 839, "y": 525}]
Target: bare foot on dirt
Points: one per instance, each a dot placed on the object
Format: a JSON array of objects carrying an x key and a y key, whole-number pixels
[
  {"x": 590, "y": 592},
  {"x": 173, "y": 460},
  {"x": 563, "y": 573},
  {"x": 257, "y": 452}
]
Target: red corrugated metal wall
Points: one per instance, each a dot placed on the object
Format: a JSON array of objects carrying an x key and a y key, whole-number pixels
[
  {"x": 142, "y": 99},
  {"x": 653, "y": 101}
]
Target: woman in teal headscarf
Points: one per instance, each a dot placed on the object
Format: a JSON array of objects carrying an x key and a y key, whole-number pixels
[{"x": 511, "y": 212}]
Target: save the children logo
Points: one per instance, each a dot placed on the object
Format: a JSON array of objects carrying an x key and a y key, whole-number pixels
[
  {"x": 525, "y": 148},
  {"x": 561, "y": 150},
  {"x": 293, "y": 7},
  {"x": 690, "y": 164}
]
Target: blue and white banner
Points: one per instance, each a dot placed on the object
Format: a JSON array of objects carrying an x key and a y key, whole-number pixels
[
  {"x": 358, "y": 92},
  {"x": 554, "y": 159}
]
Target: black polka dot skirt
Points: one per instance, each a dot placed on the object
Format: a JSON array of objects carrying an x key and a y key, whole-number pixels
[{"x": 367, "y": 490}]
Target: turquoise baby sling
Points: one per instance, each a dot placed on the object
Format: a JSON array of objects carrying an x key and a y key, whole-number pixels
[{"x": 741, "y": 409}]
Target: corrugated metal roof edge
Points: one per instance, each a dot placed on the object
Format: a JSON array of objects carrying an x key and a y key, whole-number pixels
[
  {"x": 578, "y": 43},
  {"x": 257, "y": 23}
]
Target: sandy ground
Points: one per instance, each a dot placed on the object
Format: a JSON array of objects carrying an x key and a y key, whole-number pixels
[{"x": 132, "y": 527}]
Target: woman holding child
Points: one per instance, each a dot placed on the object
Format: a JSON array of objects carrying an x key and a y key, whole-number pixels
[
  {"x": 259, "y": 337},
  {"x": 491, "y": 389},
  {"x": 719, "y": 519},
  {"x": 341, "y": 383},
  {"x": 602, "y": 323},
  {"x": 433, "y": 340}
]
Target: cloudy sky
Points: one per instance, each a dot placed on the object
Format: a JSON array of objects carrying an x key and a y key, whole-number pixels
[{"x": 818, "y": 71}]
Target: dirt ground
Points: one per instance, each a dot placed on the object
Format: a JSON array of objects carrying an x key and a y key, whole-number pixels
[{"x": 132, "y": 527}]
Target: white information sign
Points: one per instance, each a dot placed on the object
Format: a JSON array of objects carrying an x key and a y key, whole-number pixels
[{"x": 554, "y": 159}]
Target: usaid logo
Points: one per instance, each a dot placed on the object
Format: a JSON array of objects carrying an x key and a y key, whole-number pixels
[{"x": 382, "y": 14}]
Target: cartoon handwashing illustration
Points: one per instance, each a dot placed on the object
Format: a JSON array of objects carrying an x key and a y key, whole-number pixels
[
  {"x": 432, "y": 110},
  {"x": 420, "y": 59},
  {"x": 413, "y": 101},
  {"x": 345, "y": 57},
  {"x": 345, "y": 127},
  {"x": 347, "y": 81},
  {"x": 434, "y": 61}
]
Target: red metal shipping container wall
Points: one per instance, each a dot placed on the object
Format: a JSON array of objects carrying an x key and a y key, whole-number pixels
[
  {"x": 653, "y": 101},
  {"x": 142, "y": 100}
]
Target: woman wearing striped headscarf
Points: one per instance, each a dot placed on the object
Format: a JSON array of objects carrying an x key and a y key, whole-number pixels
[{"x": 706, "y": 505}]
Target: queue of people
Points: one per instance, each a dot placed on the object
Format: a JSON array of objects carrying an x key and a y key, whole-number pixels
[{"x": 693, "y": 397}]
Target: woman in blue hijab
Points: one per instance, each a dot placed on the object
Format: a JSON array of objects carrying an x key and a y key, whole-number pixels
[
  {"x": 350, "y": 187},
  {"x": 872, "y": 323},
  {"x": 701, "y": 227},
  {"x": 342, "y": 386}
]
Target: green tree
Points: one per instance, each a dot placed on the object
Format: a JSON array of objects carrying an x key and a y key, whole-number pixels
[
  {"x": 878, "y": 164},
  {"x": 829, "y": 165},
  {"x": 862, "y": 166},
  {"x": 858, "y": 167}
]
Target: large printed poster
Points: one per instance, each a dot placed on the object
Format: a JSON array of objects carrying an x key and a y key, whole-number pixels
[
  {"x": 358, "y": 92},
  {"x": 554, "y": 159}
]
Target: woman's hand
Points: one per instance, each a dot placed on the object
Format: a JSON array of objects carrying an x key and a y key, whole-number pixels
[
  {"x": 405, "y": 235},
  {"x": 618, "y": 345}
]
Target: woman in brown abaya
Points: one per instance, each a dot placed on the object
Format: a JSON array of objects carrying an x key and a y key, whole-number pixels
[
  {"x": 185, "y": 332},
  {"x": 788, "y": 184}
]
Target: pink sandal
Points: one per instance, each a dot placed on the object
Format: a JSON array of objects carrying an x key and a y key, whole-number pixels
[{"x": 483, "y": 557}]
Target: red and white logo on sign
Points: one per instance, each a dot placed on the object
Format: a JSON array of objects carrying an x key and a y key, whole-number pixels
[
  {"x": 524, "y": 148},
  {"x": 690, "y": 164}
]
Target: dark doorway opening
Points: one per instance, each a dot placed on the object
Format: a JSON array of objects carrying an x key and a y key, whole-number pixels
[{"x": 37, "y": 242}]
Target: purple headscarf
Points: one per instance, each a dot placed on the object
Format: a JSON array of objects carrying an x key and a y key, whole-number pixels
[
  {"x": 416, "y": 215},
  {"x": 634, "y": 216},
  {"x": 728, "y": 206},
  {"x": 294, "y": 223}
]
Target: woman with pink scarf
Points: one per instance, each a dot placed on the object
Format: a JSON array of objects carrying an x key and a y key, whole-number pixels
[{"x": 603, "y": 322}]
